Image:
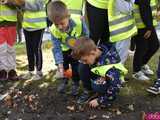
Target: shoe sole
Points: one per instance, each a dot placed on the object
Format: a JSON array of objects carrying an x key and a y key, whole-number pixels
[
  {"x": 141, "y": 80},
  {"x": 153, "y": 92}
]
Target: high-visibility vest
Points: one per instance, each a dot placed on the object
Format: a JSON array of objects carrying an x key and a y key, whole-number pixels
[
  {"x": 74, "y": 6},
  {"x": 62, "y": 36},
  {"x": 34, "y": 19},
  {"x": 102, "y": 70},
  {"x": 121, "y": 26},
  {"x": 7, "y": 14},
  {"x": 102, "y": 4},
  {"x": 137, "y": 16}
]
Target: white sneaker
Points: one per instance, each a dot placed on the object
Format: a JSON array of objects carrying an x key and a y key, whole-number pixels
[
  {"x": 27, "y": 76},
  {"x": 140, "y": 76},
  {"x": 146, "y": 70},
  {"x": 38, "y": 76}
]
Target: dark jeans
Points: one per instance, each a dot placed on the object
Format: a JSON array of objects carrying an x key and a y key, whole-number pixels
[
  {"x": 33, "y": 46},
  {"x": 99, "y": 30},
  {"x": 145, "y": 49},
  {"x": 68, "y": 60}
]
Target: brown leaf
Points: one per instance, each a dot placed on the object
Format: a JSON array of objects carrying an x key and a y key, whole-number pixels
[
  {"x": 92, "y": 117},
  {"x": 71, "y": 108}
]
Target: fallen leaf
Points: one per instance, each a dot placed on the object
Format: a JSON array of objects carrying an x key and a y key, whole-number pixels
[
  {"x": 71, "y": 108},
  {"x": 118, "y": 112},
  {"x": 8, "y": 100},
  {"x": 92, "y": 117},
  {"x": 3, "y": 96},
  {"x": 105, "y": 116},
  {"x": 131, "y": 107}
]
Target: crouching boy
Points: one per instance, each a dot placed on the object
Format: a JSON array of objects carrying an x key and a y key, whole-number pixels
[{"x": 106, "y": 69}]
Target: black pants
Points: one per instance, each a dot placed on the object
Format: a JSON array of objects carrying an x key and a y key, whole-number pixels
[
  {"x": 99, "y": 30},
  {"x": 98, "y": 23},
  {"x": 68, "y": 60},
  {"x": 33, "y": 46},
  {"x": 145, "y": 48}
]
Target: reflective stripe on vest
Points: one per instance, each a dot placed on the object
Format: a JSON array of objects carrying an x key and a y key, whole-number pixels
[
  {"x": 78, "y": 12},
  {"x": 102, "y": 4},
  {"x": 34, "y": 19},
  {"x": 121, "y": 26},
  {"x": 137, "y": 16},
  {"x": 7, "y": 14},
  {"x": 102, "y": 70},
  {"x": 76, "y": 32}
]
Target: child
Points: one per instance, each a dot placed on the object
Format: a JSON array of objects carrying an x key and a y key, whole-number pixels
[
  {"x": 105, "y": 67},
  {"x": 64, "y": 30},
  {"x": 34, "y": 23}
]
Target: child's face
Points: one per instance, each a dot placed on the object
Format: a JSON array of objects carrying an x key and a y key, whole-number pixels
[
  {"x": 89, "y": 59},
  {"x": 62, "y": 25}
]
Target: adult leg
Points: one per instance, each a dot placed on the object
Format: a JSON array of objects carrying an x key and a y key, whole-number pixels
[
  {"x": 141, "y": 48},
  {"x": 153, "y": 46},
  {"x": 98, "y": 23}
]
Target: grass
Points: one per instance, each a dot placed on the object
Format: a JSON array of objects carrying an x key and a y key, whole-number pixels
[{"x": 132, "y": 87}]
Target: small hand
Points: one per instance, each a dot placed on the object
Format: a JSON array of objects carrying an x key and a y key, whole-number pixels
[
  {"x": 94, "y": 103},
  {"x": 101, "y": 80},
  {"x": 147, "y": 34},
  {"x": 3, "y": 2}
]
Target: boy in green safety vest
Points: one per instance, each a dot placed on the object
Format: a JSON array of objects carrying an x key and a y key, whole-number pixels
[
  {"x": 106, "y": 69},
  {"x": 65, "y": 30}
]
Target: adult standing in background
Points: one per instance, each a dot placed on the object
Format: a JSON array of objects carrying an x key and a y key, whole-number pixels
[{"x": 146, "y": 40}]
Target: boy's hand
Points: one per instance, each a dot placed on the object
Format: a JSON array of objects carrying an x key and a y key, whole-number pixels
[
  {"x": 61, "y": 70},
  {"x": 94, "y": 103},
  {"x": 101, "y": 80},
  {"x": 3, "y": 2}
]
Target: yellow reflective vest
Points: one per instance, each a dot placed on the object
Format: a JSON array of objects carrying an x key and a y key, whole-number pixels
[
  {"x": 74, "y": 6},
  {"x": 102, "y": 70},
  {"x": 137, "y": 16},
  {"x": 121, "y": 26},
  {"x": 102, "y": 4},
  {"x": 34, "y": 19},
  {"x": 7, "y": 14},
  {"x": 62, "y": 36}
]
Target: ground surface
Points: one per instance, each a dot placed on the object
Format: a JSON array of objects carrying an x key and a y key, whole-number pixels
[{"x": 38, "y": 100}]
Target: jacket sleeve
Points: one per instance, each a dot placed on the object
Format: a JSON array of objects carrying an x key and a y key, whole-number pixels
[
  {"x": 123, "y": 6},
  {"x": 146, "y": 13},
  {"x": 57, "y": 52}
]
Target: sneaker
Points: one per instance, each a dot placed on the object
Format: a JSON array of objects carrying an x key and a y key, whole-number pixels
[
  {"x": 62, "y": 87},
  {"x": 12, "y": 75},
  {"x": 84, "y": 97},
  {"x": 140, "y": 76},
  {"x": 146, "y": 70},
  {"x": 75, "y": 90},
  {"x": 3, "y": 75},
  {"x": 27, "y": 76},
  {"x": 38, "y": 76},
  {"x": 155, "y": 89}
]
